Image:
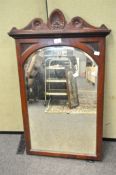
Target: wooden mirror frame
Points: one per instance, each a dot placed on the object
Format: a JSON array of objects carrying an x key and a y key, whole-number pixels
[{"x": 77, "y": 33}]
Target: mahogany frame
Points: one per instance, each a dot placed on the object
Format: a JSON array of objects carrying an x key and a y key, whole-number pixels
[{"x": 77, "y": 33}]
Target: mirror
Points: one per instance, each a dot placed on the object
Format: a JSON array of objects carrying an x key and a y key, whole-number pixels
[
  {"x": 61, "y": 72},
  {"x": 61, "y": 93}
]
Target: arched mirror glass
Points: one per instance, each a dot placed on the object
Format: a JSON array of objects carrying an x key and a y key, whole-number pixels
[{"x": 61, "y": 93}]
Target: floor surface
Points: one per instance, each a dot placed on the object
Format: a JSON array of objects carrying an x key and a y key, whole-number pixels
[{"x": 12, "y": 163}]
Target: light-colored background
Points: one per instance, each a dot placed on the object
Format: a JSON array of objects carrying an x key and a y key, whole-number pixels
[
  {"x": 13, "y": 13},
  {"x": 18, "y": 13}
]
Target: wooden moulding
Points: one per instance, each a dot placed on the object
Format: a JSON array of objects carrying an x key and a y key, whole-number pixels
[
  {"x": 57, "y": 26},
  {"x": 78, "y": 34}
]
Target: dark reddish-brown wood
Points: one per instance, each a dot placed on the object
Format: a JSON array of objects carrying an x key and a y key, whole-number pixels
[{"x": 77, "y": 33}]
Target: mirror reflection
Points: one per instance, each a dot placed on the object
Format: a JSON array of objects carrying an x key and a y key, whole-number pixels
[{"x": 61, "y": 89}]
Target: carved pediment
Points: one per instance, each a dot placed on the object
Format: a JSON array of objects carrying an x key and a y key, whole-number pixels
[{"x": 57, "y": 24}]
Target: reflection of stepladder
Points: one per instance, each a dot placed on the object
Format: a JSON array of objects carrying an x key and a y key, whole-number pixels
[
  {"x": 63, "y": 65},
  {"x": 54, "y": 64}
]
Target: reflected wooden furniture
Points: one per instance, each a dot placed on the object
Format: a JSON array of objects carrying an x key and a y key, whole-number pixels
[
  {"x": 72, "y": 89},
  {"x": 58, "y": 32}
]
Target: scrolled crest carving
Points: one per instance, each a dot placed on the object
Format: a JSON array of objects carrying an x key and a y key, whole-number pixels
[
  {"x": 56, "y": 20},
  {"x": 79, "y": 23},
  {"x": 37, "y": 23}
]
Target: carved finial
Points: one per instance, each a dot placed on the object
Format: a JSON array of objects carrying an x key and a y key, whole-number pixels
[{"x": 56, "y": 20}]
